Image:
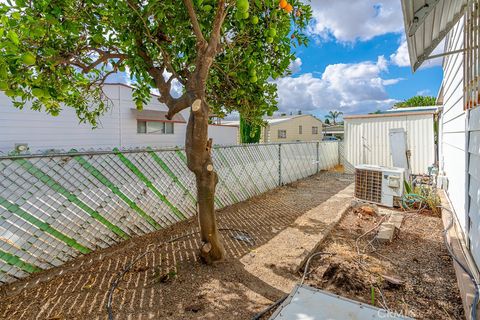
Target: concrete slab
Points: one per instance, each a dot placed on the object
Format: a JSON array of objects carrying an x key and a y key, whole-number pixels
[{"x": 298, "y": 241}]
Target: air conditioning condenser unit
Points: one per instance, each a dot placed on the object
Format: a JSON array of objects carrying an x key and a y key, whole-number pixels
[{"x": 380, "y": 185}]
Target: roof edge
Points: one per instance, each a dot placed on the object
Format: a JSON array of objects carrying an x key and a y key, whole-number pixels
[{"x": 392, "y": 114}]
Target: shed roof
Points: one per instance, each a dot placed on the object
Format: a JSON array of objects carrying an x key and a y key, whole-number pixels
[
  {"x": 427, "y": 22},
  {"x": 412, "y": 109},
  {"x": 386, "y": 115}
]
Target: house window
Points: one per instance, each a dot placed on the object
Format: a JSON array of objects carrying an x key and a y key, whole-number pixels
[
  {"x": 282, "y": 134},
  {"x": 141, "y": 127},
  {"x": 471, "y": 57},
  {"x": 314, "y": 130},
  {"x": 155, "y": 127},
  {"x": 300, "y": 129},
  {"x": 168, "y": 127}
]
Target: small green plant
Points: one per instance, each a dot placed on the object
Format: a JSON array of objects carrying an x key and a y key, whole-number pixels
[
  {"x": 372, "y": 295},
  {"x": 408, "y": 186},
  {"x": 420, "y": 198}
]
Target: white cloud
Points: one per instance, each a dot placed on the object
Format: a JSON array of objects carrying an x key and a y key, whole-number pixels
[
  {"x": 401, "y": 57},
  {"x": 350, "y": 88},
  {"x": 348, "y": 21},
  {"x": 295, "y": 66},
  {"x": 425, "y": 92}
]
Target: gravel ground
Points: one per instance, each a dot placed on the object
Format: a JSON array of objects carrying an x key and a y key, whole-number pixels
[
  {"x": 417, "y": 257},
  {"x": 169, "y": 282}
]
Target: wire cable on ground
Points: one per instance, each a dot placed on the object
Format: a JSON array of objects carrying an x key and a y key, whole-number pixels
[
  {"x": 280, "y": 301},
  {"x": 473, "y": 313},
  {"x": 122, "y": 273}
]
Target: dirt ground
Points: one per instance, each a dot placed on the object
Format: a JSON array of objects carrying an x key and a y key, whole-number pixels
[
  {"x": 169, "y": 282},
  {"x": 421, "y": 281}
]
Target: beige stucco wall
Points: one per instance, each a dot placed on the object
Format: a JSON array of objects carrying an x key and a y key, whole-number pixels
[{"x": 270, "y": 133}]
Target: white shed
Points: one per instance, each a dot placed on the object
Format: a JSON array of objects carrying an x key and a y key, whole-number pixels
[{"x": 367, "y": 138}]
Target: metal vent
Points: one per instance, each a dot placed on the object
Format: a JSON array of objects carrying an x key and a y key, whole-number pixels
[{"x": 368, "y": 185}]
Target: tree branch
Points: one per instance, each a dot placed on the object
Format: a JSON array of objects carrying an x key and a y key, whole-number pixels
[
  {"x": 174, "y": 105},
  {"x": 217, "y": 25},
  {"x": 178, "y": 105},
  {"x": 196, "y": 26},
  {"x": 205, "y": 57},
  {"x": 102, "y": 59}
]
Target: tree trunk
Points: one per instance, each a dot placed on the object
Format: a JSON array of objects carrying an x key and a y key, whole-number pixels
[{"x": 198, "y": 149}]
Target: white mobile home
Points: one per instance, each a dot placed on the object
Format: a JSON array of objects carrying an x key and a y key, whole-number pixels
[
  {"x": 367, "y": 138},
  {"x": 121, "y": 126},
  {"x": 459, "y": 127}
]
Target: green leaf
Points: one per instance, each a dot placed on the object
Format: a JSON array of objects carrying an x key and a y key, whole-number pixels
[{"x": 13, "y": 37}]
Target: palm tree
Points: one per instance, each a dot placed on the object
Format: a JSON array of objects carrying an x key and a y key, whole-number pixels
[{"x": 333, "y": 115}]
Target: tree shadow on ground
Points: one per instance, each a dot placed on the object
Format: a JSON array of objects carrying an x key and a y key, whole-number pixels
[{"x": 169, "y": 282}]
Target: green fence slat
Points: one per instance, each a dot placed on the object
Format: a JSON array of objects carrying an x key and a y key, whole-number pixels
[
  {"x": 106, "y": 182},
  {"x": 170, "y": 173},
  {"x": 15, "y": 209},
  {"x": 148, "y": 183},
  {"x": 50, "y": 182},
  {"x": 181, "y": 156},
  {"x": 17, "y": 262}
]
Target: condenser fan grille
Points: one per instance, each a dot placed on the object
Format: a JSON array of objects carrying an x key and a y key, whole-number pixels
[{"x": 368, "y": 185}]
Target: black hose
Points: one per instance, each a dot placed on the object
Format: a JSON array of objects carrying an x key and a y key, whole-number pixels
[
  {"x": 279, "y": 301},
  {"x": 473, "y": 313},
  {"x": 270, "y": 307}
]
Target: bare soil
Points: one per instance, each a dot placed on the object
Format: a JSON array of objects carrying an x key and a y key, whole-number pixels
[
  {"x": 412, "y": 276},
  {"x": 169, "y": 282}
]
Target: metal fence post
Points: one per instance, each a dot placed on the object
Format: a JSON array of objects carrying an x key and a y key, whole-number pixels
[
  {"x": 318, "y": 156},
  {"x": 279, "y": 164},
  {"x": 339, "y": 151}
]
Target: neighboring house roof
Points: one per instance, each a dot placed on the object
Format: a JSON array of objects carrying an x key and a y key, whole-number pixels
[
  {"x": 275, "y": 121},
  {"x": 427, "y": 22},
  {"x": 153, "y": 115},
  {"x": 270, "y": 121},
  {"x": 333, "y": 129},
  {"x": 126, "y": 85},
  {"x": 390, "y": 114},
  {"x": 234, "y": 123}
]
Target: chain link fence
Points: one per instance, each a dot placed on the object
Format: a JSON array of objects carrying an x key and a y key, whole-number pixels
[{"x": 56, "y": 207}]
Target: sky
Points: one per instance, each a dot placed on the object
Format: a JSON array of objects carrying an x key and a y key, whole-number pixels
[{"x": 357, "y": 61}]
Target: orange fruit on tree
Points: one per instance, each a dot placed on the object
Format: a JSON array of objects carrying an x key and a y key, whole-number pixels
[
  {"x": 289, "y": 8},
  {"x": 283, "y": 3}
]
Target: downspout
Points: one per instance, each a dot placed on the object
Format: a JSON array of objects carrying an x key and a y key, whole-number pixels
[{"x": 120, "y": 140}]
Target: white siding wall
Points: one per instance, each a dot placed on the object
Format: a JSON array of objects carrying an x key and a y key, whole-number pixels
[
  {"x": 367, "y": 140},
  {"x": 452, "y": 127},
  {"x": 223, "y": 135},
  {"x": 42, "y": 131},
  {"x": 116, "y": 128},
  {"x": 474, "y": 183}
]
